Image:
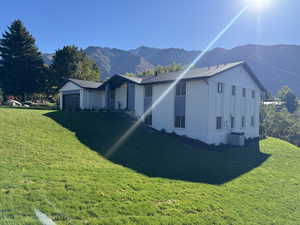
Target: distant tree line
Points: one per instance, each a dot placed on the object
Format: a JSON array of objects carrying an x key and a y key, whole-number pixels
[
  {"x": 282, "y": 121},
  {"x": 23, "y": 72},
  {"x": 158, "y": 70}
]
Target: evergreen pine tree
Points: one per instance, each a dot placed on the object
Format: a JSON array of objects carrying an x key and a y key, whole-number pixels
[{"x": 21, "y": 61}]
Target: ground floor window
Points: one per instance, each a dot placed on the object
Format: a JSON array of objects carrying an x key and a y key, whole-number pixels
[
  {"x": 252, "y": 121},
  {"x": 243, "y": 122},
  {"x": 219, "y": 122},
  {"x": 232, "y": 122},
  {"x": 180, "y": 121},
  {"x": 148, "y": 119}
]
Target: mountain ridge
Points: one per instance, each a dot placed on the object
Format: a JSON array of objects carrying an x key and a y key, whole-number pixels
[{"x": 275, "y": 65}]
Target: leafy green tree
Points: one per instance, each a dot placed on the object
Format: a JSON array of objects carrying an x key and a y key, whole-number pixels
[
  {"x": 21, "y": 61},
  {"x": 158, "y": 70},
  {"x": 281, "y": 124},
  {"x": 70, "y": 62},
  {"x": 286, "y": 95}
]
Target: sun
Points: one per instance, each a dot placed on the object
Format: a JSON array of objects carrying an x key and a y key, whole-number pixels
[{"x": 258, "y": 4}]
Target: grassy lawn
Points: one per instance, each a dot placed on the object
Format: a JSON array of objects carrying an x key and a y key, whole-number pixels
[{"x": 54, "y": 162}]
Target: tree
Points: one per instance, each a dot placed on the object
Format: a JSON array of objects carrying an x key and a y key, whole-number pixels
[
  {"x": 286, "y": 95},
  {"x": 21, "y": 61},
  {"x": 281, "y": 124},
  {"x": 158, "y": 70},
  {"x": 70, "y": 62}
]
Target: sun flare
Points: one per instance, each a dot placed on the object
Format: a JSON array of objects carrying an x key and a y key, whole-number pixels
[{"x": 258, "y": 4}]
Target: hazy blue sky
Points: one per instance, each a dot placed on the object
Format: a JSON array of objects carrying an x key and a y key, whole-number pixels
[{"x": 127, "y": 24}]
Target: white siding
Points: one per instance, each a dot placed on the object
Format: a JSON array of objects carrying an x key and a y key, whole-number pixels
[
  {"x": 139, "y": 100},
  {"x": 204, "y": 104},
  {"x": 163, "y": 115},
  {"x": 225, "y": 105},
  {"x": 93, "y": 99},
  {"x": 121, "y": 97}
]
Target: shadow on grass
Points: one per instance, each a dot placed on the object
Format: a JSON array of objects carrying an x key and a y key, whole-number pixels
[{"x": 156, "y": 154}]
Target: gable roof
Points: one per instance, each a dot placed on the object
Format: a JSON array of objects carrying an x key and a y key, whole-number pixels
[
  {"x": 197, "y": 73},
  {"x": 85, "y": 83}
]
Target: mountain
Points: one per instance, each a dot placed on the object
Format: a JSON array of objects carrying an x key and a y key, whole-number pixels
[{"x": 275, "y": 65}]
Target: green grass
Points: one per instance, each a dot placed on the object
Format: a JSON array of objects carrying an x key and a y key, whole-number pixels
[{"x": 54, "y": 162}]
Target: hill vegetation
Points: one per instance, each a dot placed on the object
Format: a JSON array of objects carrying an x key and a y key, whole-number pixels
[{"x": 55, "y": 162}]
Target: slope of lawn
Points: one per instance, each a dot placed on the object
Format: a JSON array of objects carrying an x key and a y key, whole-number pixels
[{"x": 55, "y": 162}]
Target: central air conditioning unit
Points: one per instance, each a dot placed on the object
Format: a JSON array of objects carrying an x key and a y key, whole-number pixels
[{"x": 236, "y": 139}]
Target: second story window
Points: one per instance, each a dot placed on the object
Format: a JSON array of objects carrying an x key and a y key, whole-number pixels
[
  {"x": 244, "y": 92},
  {"x": 181, "y": 88},
  {"x": 220, "y": 87},
  {"x": 233, "y": 90},
  {"x": 148, "y": 91},
  {"x": 253, "y": 94}
]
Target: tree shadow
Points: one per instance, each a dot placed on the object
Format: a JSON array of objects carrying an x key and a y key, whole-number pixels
[{"x": 157, "y": 154}]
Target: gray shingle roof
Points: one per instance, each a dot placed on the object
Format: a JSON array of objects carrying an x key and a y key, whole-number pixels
[
  {"x": 85, "y": 83},
  {"x": 191, "y": 74},
  {"x": 196, "y": 73}
]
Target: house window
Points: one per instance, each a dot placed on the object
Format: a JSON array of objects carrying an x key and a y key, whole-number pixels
[
  {"x": 232, "y": 122},
  {"x": 233, "y": 90},
  {"x": 253, "y": 94},
  {"x": 252, "y": 121},
  {"x": 148, "y": 91},
  {"x": 181, "y": 88},
  {"x": 219, "y": 123},
  {"x": 244, "y": 92},
  {"x": 180, "y": 121},
  {"x": 243, "y": 121},
  {"x": 148, "y": 119},
  {"x": 220, "y": 87}
]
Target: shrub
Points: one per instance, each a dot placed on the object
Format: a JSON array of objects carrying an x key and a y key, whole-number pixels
[{"x": 281, "y": 124}]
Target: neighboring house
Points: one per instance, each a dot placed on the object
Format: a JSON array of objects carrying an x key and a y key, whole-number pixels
[
  {"x": 277, "y": 103},
  {"x": 207, "y": 104},
  {"x": 273, "y": 102}
]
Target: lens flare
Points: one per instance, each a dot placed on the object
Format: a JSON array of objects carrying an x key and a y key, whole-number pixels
[
  {"x": 129, "y": 132},
  {"x": 258, "y": 4}
]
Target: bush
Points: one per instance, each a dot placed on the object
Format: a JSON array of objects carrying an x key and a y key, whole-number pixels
[{"x": 281, "y": 124}]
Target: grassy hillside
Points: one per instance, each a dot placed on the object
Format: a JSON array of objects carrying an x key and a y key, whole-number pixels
[{"x": 53, "y": 161}]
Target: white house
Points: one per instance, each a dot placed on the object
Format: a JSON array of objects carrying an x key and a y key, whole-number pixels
[{"x": 207, "y": 104}]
